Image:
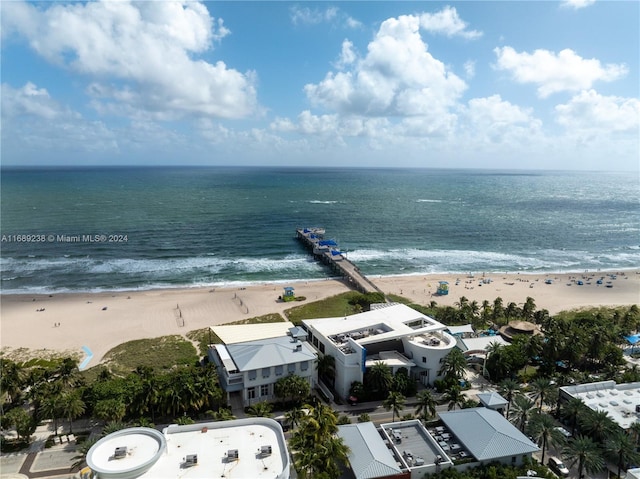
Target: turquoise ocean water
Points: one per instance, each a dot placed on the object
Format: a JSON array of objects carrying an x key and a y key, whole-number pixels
[{"x": 139, "y": 228}]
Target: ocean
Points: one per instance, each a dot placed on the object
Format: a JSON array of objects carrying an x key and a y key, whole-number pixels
[{"x": 118, "y": 228}]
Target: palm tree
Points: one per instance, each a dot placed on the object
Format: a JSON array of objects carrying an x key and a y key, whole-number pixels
[
  {"x": 317, "y": 450},
  {"x": 72, "y": 407},
  {"x": 528, "y": 308},
  {"x": 110, "y": 410},
  {"x": 541, "y": 388},
  {"x": 326, "y": 367},
  {"x": 542, "y": 428},
  {"x": 508, "y": 387},
  {"x": 379, "y": 377},
  {"x": 11, "y": 380},
  {"x": 425, "y": 405},
  {"x": 598, "y": 425},
  {"x": 52, "y": 404},
  {"x": 222, "y": 414},
  {"x": 622, "y": 449},
  {"x": 260, "y": 409},
  {"x": 522, "y": 409},
  {"x": 585, "y": 452},
  {"x": 80, "y": 459},
  {"x": 293, "y": 416},
  {"x": 394, "y": 403},
  {"x": 364, "y": 417},
  {"x": 634, "y": 430},
  {"x": 454, "y": 397},
  {"x": 454, "y": 365},
  {"x": 571, "y": 410}
]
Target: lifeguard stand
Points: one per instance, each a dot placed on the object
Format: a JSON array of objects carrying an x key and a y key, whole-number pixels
[
  {"x": 289, "y": 294},
  {"x": 443, "y": 288}
]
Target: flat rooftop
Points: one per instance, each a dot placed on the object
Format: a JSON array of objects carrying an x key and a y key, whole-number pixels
[
  {"x": 242, "y": 448},
  {"x": 412, "y": 445},
  {"x": 394, "y": 321},
  {"x": 618, "y": 400}
]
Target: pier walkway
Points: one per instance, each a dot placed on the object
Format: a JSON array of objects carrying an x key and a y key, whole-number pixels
[{"x": 312, "y": 239}]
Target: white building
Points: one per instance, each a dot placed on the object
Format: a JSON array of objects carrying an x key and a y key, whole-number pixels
[
  {"x": 254, "y": 357},
  {"x": 245, "y": 448},
  {"x": 394, "y": 334},
  {"x": 620, "y": 401}
]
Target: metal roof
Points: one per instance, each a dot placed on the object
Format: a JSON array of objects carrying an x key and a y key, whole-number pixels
[
  {"x": 265, "y": 353},
  {"x": 486, "y": 434},
  {"x": 241, "y": 333},
  {"x": 368, "y": 454},
  {"x": 492, "y": 399}
]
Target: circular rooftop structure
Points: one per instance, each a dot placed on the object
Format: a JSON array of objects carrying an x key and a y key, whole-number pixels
[
  {"x": 518, "y": 327},
  {"x": 126, "y": 454}
]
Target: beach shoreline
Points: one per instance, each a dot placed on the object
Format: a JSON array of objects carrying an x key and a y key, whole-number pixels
[{"x": 83, "y": 323}]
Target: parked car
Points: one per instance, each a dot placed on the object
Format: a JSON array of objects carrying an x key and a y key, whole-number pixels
[{"x": 557, "y": 466}]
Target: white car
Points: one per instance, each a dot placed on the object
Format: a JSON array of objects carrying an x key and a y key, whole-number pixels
[{"x": 557, "y": 466}]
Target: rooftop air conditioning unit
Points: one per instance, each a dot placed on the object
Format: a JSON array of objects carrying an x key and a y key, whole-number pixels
[
  {"x": 191, "y": 460},
  {"x": 265, "y": 450},
  {"x": 232, "y": 454},
  {"x": 120, "y": 452}
]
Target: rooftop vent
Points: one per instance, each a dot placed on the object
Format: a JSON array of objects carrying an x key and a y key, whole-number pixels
[
  {"x": 298, "y": 347},
  {"x": 265, "y": 450},
  {"x": 120, "y": 452},
  {"x": 232, "y": 454},
  {"x": 191, "y": 460}
]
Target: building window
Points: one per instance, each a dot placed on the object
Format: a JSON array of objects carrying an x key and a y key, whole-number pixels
[
  {"x": 251, "y": 393},
  {"x": 513, "y": 459},
  {"x": 279, "y": 370},
  {"x": 424, "y": 359},
  {"x": 304, "y": 365},
  {"x": 291, "y": 368},
  {"x": 322, "y": 348},
  {"x": 310, "y": 338},
  {"x": 315, "y": 342},
  {"x": 253, "y": 374},
  {"x": 266, "y": 372},
  {"x": 264, "y": 390}
]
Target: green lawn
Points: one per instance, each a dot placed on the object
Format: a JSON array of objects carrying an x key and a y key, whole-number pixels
[{"x": 159, "y": 353}]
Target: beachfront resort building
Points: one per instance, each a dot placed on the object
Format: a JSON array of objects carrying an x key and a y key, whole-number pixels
[
  {"x": 253, "y": 447},
  {"x": 251, "y": 358},
  {"x": 620, "y": 401},
  {"x": 394, "y": 334},
  {"x": 407, "y": 449}
]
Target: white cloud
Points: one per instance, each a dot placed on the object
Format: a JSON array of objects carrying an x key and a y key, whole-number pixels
[
  {"x": 590, "y": 111},
  {"x": 447, "y": 22},
  {"x": 31, "y": 101},
  {"x": 347, "y": 56},
  {"x": 141, "y": 55},
  {"x": 553, "y": 73},
  {"x": 494, "y": 120},
  {"x": 396, "y": 77},
  {"x": 577, "y": 4},
  {"x": 470, "y": 69},
  {"x": 33, "y": 122},
  {"x": 314, "y": 16}
]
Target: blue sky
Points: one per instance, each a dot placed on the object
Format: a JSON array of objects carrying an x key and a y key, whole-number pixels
[{"x": 522, "y": 85}]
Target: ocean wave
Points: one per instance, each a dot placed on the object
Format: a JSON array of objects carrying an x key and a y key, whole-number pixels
[
  {"x": 145, "y": 267},
  {"x": 319, "y": 202},
  {"x": 429, "y": 201}
]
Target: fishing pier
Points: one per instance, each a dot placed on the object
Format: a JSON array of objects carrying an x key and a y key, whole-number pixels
[{"x": 328, "y": 253}]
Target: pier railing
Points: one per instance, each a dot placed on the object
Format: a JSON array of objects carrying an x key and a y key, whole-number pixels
[{"x": 336, "y": 261}]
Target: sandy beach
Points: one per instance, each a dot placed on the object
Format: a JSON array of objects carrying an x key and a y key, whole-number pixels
[{"x": 96, "y": 322}]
